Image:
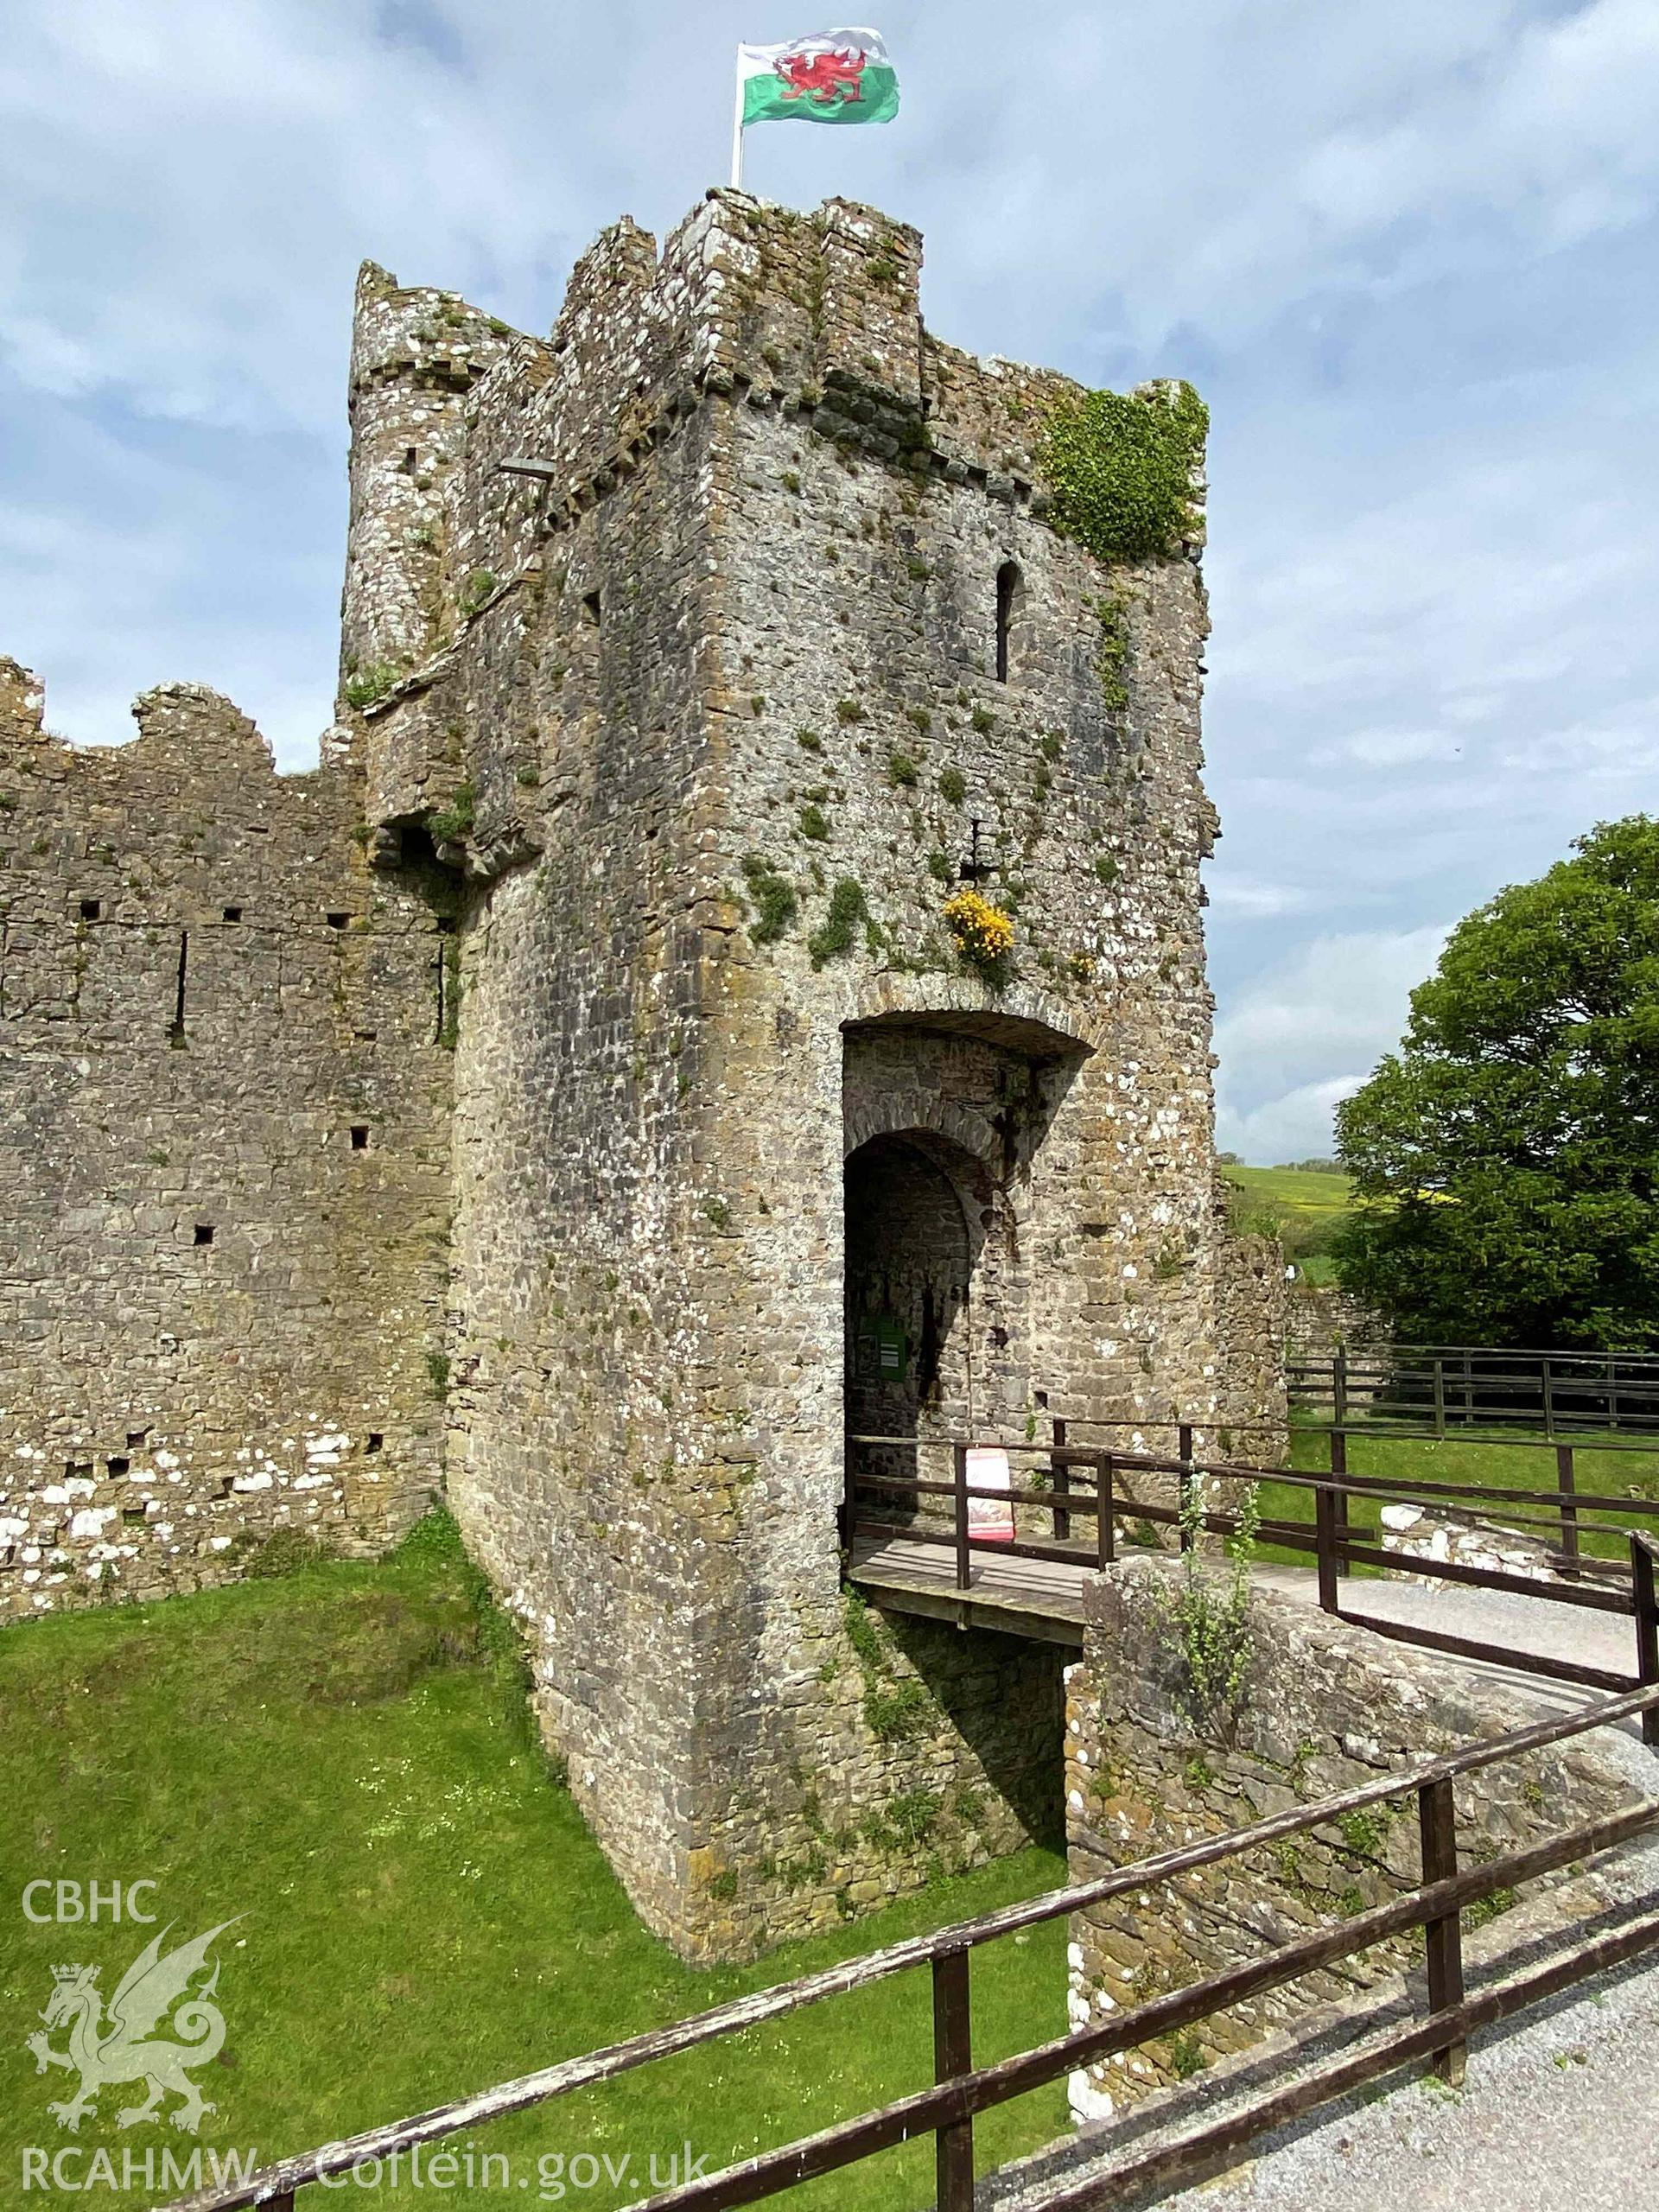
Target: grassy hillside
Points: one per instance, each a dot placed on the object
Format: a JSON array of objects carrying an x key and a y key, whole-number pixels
[
  {"x": 1301, "y": 1206},
  {"x": 342, "y": 1758}
]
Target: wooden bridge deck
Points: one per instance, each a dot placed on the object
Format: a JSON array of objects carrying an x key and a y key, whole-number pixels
[
  {"x": 1043, "y": 1598},
  {"x": 1021, "y": 1596}
]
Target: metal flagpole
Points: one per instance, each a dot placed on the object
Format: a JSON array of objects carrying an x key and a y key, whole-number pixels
[{"x": 737, "y": 127}]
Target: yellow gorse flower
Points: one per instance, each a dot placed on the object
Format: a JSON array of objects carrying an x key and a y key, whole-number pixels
[{"x": 984, "y": 933}]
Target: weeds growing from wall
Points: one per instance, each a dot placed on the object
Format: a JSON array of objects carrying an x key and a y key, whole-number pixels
[
  {"x": 984, "y": 933},
  {"x": 367, "y": 687},
  {"x": 895, "y": 1705},
  {"x": 1206, "y": 1620},
  {"x": 453, "y": 823},
  {"x": 838, "y": 933}
]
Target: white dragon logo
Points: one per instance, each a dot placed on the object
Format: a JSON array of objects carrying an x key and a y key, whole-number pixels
[{"x": 123, "y": 2049}]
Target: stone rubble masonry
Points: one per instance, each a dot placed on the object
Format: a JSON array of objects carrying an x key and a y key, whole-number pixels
[
  {"x": 1250, "y": 1322},
  {"x": 740, "y": 628},
  {"x": 216, "y": 1308},
  {"x": 1443, "y": 1533},
  {"x": 1327, "y": 1706},
  {"x": 1320, "y": 1316}
]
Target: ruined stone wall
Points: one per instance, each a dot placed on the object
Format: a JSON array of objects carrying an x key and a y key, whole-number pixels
[
  {"x": 654, "y": 769},
  {"x": 224, "y": 1149},
  {"x": 1319, "y": 1316},
  {"x": 1326, "y": 1707},
  {"x": 1253, "y": 1422}
]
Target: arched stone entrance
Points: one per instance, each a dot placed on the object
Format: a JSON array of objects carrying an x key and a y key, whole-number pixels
[{"x": 918, "y": 1207}]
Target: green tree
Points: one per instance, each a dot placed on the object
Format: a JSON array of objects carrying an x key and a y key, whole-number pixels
[{"x": 1505, "y": 1158}]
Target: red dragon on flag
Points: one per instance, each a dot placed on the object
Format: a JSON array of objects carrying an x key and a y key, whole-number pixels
[
  {"x": 834, "y": 76},
  {"x": 824, "y": 77}
]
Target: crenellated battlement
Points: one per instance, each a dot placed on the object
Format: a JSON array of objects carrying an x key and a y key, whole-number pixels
[{"x": 814, "y": 319}]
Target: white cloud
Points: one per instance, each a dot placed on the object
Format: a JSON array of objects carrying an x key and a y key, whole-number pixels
[
  {"x": 1310, "y": 1031},
  {"x": 1247, "y": 898},
  {"x": 1391, "y": 748},
  {"x": 1297, "y": 1126},
  {"x": 1621, "y": 742}
]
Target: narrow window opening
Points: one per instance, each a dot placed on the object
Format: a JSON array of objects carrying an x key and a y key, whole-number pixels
[
  {"x": 91, "y": 909},
  {"x": 1007, "y": 598},
  {"x": 337, "y": 921},
  {"x": 175, "y": 1027},
  {"x": 412, "y": 459},
  {"x": 375, "y": 1440},
  {"x": 135, "y": 1437},
  {"x": 359, "y": 1136},
  {"x": 118, "y": 1467},
  {"x": 204, "y": 1232},
  {"x": 590, "y": 607},
  {"x": 227, "y": 1486},
  {"x": 134, "y": 1513},
  {"x": 74, "y": 1467},
  {"x": 232, "y": 913}
]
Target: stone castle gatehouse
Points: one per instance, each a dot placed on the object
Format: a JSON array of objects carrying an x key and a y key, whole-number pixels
[{"x": 573, "y": 1095}]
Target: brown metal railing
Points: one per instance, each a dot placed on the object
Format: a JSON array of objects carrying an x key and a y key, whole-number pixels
[
  {"x": 961, "y": 2090},
  {"x": 1625, "y": 1588}
]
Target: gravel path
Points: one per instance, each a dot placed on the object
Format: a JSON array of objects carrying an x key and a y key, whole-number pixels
[
  {"x": 1561, "y": 2115},
  {"x": 1496, "y": 1617},
  {"x": 1559, "y": 2112}
]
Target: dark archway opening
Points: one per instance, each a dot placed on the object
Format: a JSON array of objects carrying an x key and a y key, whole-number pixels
[
  {"x": 911, "y": 1253},
  {"x": 930, "y": 1284}
]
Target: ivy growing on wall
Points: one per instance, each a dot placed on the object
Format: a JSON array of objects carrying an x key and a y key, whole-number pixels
[{"x": 1119, "y": 469}]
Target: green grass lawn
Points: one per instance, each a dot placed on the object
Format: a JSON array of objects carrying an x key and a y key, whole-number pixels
[
  {"x": 343, "y": 1758},
  {"x": 1315, "y": 1193},
  {"x": 1302, "y": 1206},
  {"x": 1603, "y": 1473}
]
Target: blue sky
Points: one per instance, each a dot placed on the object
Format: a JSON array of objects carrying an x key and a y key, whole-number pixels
[{"x": 1408, "y": 255}]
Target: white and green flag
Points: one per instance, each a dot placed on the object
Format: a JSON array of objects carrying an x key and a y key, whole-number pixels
[{"x": 833, "y": 77}]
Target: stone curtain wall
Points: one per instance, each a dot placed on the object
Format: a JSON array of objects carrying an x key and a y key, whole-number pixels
[
  {"x": 216, "y": 1305},
  {"x": 1319, "y": 1316},
  {"x": 1327, "y": 1708},
  {"x": 1250, "y": 1323}
]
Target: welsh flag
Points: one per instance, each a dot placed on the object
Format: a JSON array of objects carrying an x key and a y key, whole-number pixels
[{"x": 834, "y": 76}]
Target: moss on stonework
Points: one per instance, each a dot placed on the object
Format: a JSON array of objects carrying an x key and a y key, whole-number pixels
[
  {"x": 1119, "y": 469},
  {"x": 476, "y": 591},
  {"x": 895, "y": 1705},
  {"x": 455, "y": 821},
  {"x": 1113, "y": 651},
  {"x": 772, "y": 896},
  {"x": 367, "y": 687},
  {"x": 838, "y": 931}
]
